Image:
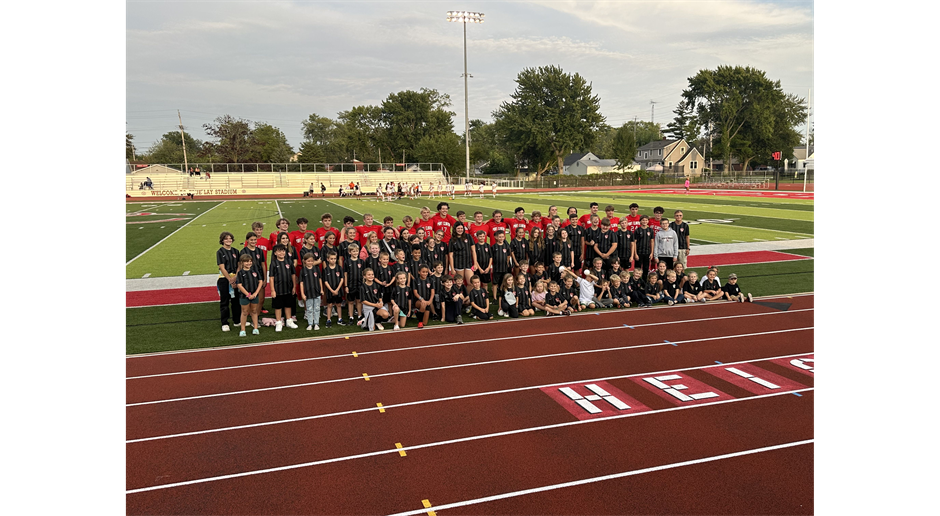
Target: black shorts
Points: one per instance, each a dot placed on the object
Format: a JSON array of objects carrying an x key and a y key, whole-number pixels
[
  {"x": 498, "y": 276},
  {"x": 282, "y": 301},
  {"x": 333, "y": 300},
  {"x": 353, "y": 294},
  {"x": 485, "y": 278}
]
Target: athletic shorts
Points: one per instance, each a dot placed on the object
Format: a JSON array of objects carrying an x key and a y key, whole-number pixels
[
  {"x": 282, "y": 301},
  {"x": 244, "y": 301},
  {"x": 485, "y": 278}
]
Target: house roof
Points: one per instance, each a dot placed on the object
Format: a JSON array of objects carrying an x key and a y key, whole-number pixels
[
  {"x": 575, "y": 157},
  {"x": 661, "y": 144}
]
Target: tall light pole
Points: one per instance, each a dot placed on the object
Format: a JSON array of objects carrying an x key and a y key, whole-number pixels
[{"x": 464, "y": 17}]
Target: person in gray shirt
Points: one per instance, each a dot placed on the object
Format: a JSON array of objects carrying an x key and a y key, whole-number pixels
[{"x": 666, "y": 244}]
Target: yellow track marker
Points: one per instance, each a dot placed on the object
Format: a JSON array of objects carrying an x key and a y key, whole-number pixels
[
  {"x": 400, "y": 450},
  {"x": 365, "y": 376},
  {"x": 355, "y": 355},
  {"x": 427, "y": 505},
  {"x": 380, "y": 407},
  {"x": 347, "y": 338}
]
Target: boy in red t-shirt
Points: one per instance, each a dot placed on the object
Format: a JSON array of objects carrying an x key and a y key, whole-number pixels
[
  {"x": 443, "y": 222},
  {"x": 327, "y": 221}
]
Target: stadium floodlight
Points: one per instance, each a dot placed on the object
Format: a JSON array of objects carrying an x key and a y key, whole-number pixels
[{"x": 465, "y": 17}]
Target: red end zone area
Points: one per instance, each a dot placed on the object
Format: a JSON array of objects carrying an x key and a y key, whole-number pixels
[{"x": 698, "y": 409}]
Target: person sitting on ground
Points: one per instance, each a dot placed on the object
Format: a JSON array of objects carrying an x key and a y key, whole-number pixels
[{"x": 732, "y": 290}]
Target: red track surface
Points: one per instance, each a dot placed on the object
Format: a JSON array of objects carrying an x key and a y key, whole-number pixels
[{"x": 473, "y": 414}]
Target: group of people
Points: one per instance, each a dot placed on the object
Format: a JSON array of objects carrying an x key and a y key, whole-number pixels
[
  {"x": 443, "y": 267},
  {"x": 396, "y": 190}
]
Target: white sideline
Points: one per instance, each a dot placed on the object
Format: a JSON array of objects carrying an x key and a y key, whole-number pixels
[{"x": 173, "y": 233}]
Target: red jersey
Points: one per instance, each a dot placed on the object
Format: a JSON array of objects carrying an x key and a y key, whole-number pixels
[
  {"x": 656, "y": 225},
  {"x": 515, "y": 224},
  {"x": 321, "y": 235},
  {"x": 363, "y": 230},
  {"x": 633, "y": 222},
  {"x": 540, "y": 223},
  {"x": 497, "y": 225},
  {"x": 297, "y": 239},
  {"x": 473, "y": 228},
  {"x": 585, "y": 220},
  {"x": 614, "y": 221},
  {"x": 427, "y": 225},
  {"x": 446, "y": 224}
]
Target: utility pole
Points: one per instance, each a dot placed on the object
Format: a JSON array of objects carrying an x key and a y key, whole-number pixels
[
  {"x": 809, "y": 104},
  {"x": 183, "y": 137}
]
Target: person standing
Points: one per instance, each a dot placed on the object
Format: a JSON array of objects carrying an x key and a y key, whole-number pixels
[
  {"x": 682, "y": 231},
  {"x": 666, "y": 245}
]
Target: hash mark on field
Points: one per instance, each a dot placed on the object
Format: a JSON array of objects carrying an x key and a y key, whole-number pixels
[
  {"x": 146, "y": 275},
  {"x": 186, "y": 273}
]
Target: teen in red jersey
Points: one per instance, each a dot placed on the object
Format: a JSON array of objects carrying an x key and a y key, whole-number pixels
[
  {"x": 443, "y": 222},
  {"x": 585, "y": 219},
  {"x": 327, "y": 220}
]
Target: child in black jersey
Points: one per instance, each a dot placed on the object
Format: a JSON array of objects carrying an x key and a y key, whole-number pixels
[
  {"x": 711, "y": 286},
  {"x": 373, "y": 310},
  {"x": 618, "y": 292},
  {"x": 401, "y": 299},
  {"x": 452, "y": 300},
  {"x": 523, "y": 296},
  {"x": 479, "y": 301},
  {"x": 508, "y": 305},
  {"x": 671, "y": 291},
  {"x": 654, "y": 289},
  {"x": 281, "y": 274},
  {"x": 226, "y": 258},
  {"x": 555, "y": 303},
  {"x": 692, "y": 289},
  {"x": 311, "y": 288},
  {"x": 333, "y": 287},
  {"x": 423, "y": 293},
  {"x": 352, "y": 274},
  {"x": 482, "y": 259},
  {"x": 502, "y": 258},
  {"x": 637, "y": 288},
  {"x": 732, "y": 290},
  {"x": 250, "y": 284}
]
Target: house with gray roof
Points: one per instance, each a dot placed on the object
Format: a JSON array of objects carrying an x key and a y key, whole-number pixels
[{"x": 671, "y": 156}]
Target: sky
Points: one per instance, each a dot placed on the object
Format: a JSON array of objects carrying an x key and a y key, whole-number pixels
[{"x": 280, "y": 62}]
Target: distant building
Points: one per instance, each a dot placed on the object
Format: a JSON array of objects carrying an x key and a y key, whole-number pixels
[{"x": 671, "y": 155}]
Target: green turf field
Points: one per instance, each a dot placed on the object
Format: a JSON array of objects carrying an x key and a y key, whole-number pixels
[{"x": 188, "y": 246}]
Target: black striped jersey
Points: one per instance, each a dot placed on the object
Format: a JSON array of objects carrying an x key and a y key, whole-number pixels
[
  {"x": 576, "y": 235},
  {"x": 653, "y": 288},
  {"x": 483, "y": 255},
  {"x": 567, "y": 292},
  {"x": 436, "y": 282},
  {"x": 257, "y": 260},
  {"x": 372, "y": 262},
  {"x": 565, "y": 249},
  {"x": 402, "y": 297},
  {"x": 281, "y": 275},
  {"x": 304, "y": 251},
  {"x": 523, "y": 297},
  {"x": 637, "y": 285},
  {"x": 248, "y": 279},
  {"x": 344, "y": 250},
  {"x": 590, "y": 238},
  {"x": 310, "y": 279},
  {"x": 389, "y": 246},
  {"x": 478, "y": 297},
  {"x": 333, "y": 276},
  {"x": 601, "y": 275},
  {"x": 353, "y": 271},
  {"x": 643, "y": 238},
  {"x": 605, "y": 240},
  {"x": 536, "y": 252},
  {"x": 383, "y": 274},
  {"x": 554, "y": 299},
  {"x": 502, "y": 261},
  {"x": 449, "y": 296},
  {"x": 520, "y": 250},
  {"x": 711, "y": 284},
  {"x": 683, "y": 231},
  {"x": 370, "y": 293},
  {"x": 291, "y": 256},
  {"x": 325, "y": 249},
  {"x": 549, "y": 249},
  {"x": 463, "y": 259},
  {"x": 553, "y": 273},
  {"x": 624, "y": 245},
  {"x": 415, "y": 266},
  {"x": 228, "y": 258},
  {"x": 424, "y": 288},
  {"x": 620, "y": 291}
]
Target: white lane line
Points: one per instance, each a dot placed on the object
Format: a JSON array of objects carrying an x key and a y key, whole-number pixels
[
  {"x": 342, "y": 207},
  {"x": 458, "y": 343},
  {"x": 278, "y": 206},
  {"x": 448, "y": 442},
  {"x": 472, "y": 364},
  {"x": 173, "y": 233},
  {"x": 613, "y": 476},
  {"x": 448, "y": 398}
]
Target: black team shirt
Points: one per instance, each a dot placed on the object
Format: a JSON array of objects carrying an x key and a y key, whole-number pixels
[
  {"x": 248, "y": 279},
  {"x": 229, "y": 258},
  {"x": 502, "y": 261},
  {"x": 353, "y": 270},
  {"x": 519, "y": 249},
  {"x": 310, "y": 278},
  {"x": 281, "y": 273},
  {"x": 483, "y": 255},
  {"x": 644, "y": 241}
]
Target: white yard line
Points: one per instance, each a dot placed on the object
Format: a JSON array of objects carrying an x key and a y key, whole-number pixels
[{"x": 173, "y": 233}]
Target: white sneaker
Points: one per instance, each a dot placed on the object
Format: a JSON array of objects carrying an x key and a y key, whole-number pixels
[
  {"x": 397, "y": 327},
  {"x": 278, "y": 326},
  {"x": 316, "y": 327},
  {"x": 309, "y": 328},
  {"x": 500, "y": 312},
  {"x": 741, "y": 298},
  {"x": 225, "y": 327},
  {"x": 750, "y": 299},
  {"x": 291, "y": 324}
]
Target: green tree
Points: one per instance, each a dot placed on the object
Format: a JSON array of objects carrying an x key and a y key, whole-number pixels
[
  {"x": 442, "y": 148},
  {"x": 169, "y": 148},
  {"x": 551, "y": 113},
  {"x": 358, "y": 134},
  {"x": 750, "y": 113},
  {"x": 603, "y": 142},
  {"x": 233, "y": 139},
  {"x": 269, "y": 145},
  {"x": 129, "y": 146},
  {"x": 623, "y": 147},
  {"x": 407, "y": 117},
  {"x": 327, "y": 136},
  {"x": 310, "y": 152},
  {"x": 685, "y": 125},
  {"x": 645, "y": 132},
  {"x": 486, "y": 148}
]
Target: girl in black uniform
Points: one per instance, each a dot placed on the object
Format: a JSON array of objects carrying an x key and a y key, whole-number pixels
[
  {"x": 401, "y": 300},
  {"x": 502, "y": 258},
  {"x": 482, "y": 260},
  {"x": 643, "y": 246},
  {"x": 507, "y": 308},
  {"x": 536, "y": 245},
  {"x": 460, "y": 253},
  {"x": 227, "y": 260},
  {"x": 523, "y": 296},
  {"x": 423, "y": 294},
  {"x": 519, "y": 248},
  {"x": 565, "y": 247}
]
